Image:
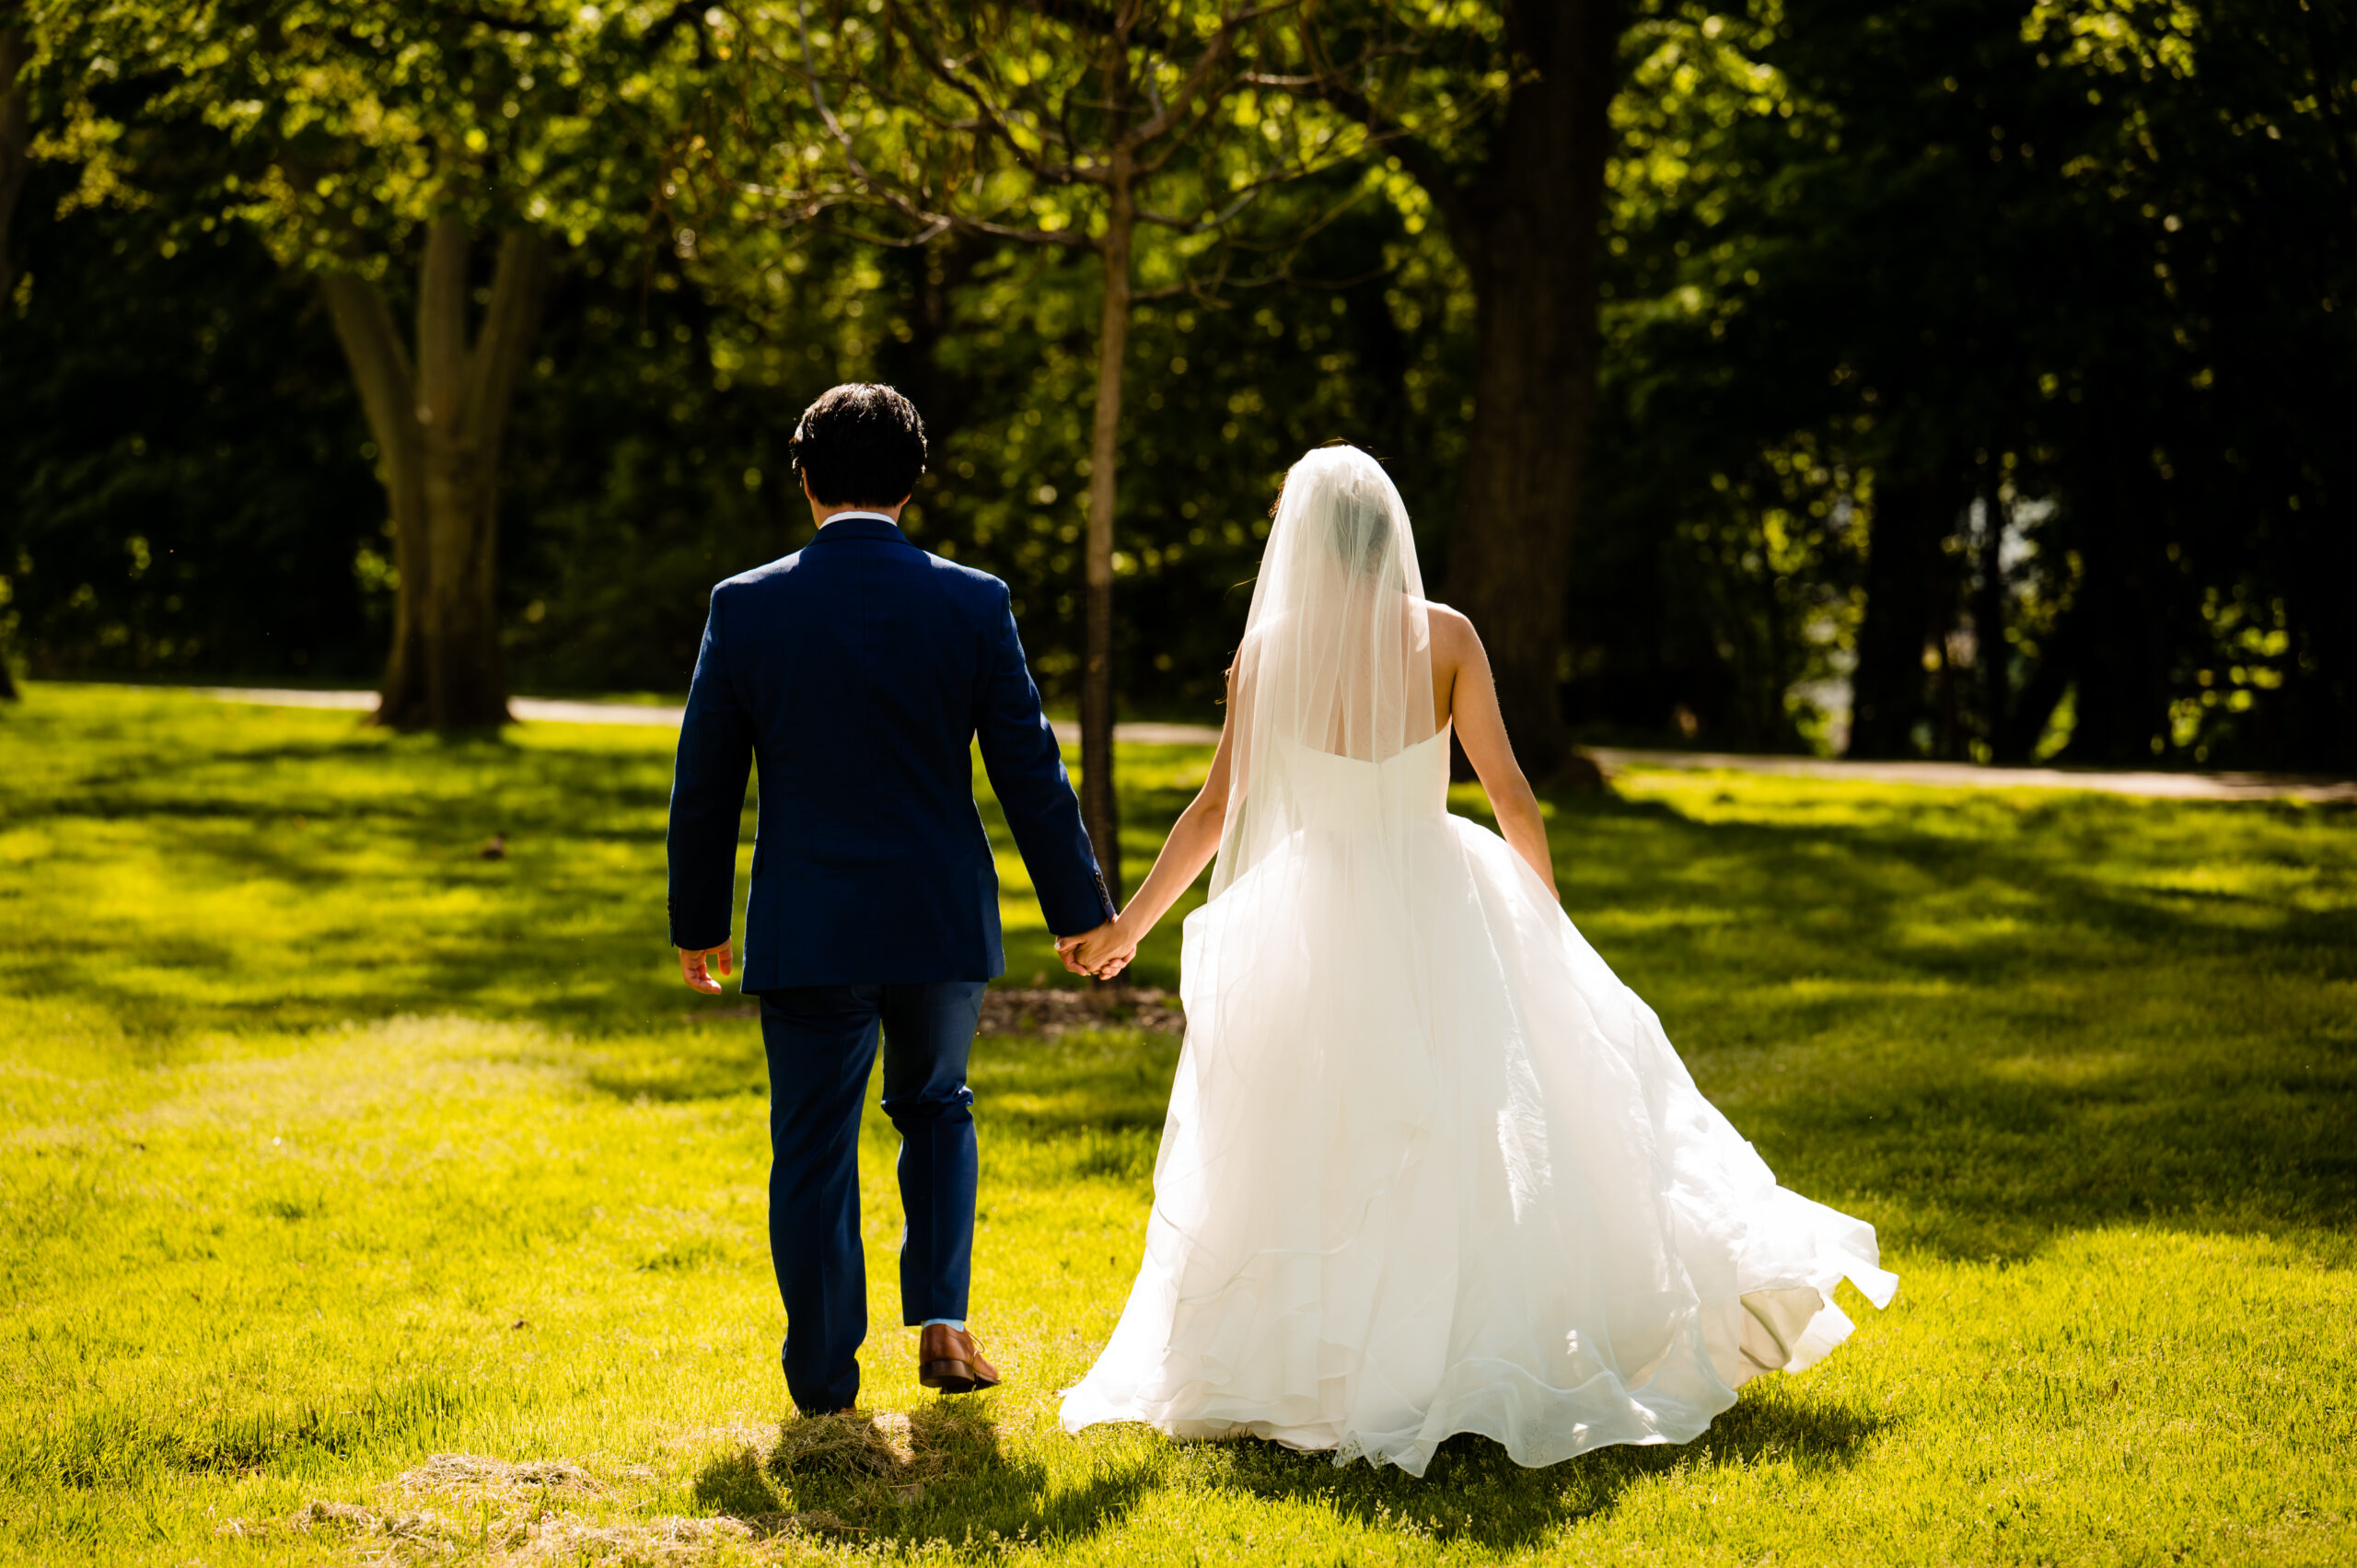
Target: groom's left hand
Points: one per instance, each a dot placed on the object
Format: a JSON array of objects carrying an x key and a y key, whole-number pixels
[
  {"x": 692, "y": 967},
  {"x": 1100, "y": 954}
]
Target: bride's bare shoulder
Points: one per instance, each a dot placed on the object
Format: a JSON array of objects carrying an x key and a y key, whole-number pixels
[{"x": 1453, "y": 634}]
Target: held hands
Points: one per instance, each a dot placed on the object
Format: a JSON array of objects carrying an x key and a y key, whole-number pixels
[
  {"x": 693, "y": 971},
  {"x": 1102, "y": 953}
]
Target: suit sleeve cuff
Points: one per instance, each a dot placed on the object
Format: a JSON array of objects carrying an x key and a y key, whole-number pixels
[
  {"x": 1072, "y": 919},
  {"x": 686, "y": 936}
]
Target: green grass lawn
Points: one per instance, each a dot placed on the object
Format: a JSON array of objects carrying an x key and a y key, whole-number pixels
[{"x": 332, "y": 1146}]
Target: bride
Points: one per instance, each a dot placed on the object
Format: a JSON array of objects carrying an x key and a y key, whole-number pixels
[{"x": 1430, "y": 1168}]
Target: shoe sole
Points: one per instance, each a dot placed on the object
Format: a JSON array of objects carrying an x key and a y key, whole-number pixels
[{"x": 952, "y": 1376}]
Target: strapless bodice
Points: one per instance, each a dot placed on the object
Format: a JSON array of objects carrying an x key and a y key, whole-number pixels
[{"x": 1352, "y": 795}]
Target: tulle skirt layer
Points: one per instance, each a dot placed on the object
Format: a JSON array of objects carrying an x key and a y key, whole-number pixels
[{"x": 1430, "y": 1167}]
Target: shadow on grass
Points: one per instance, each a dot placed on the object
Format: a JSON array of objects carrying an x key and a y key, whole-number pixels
[
  {"x": 939, "y": 1474},
  {"x": 1975, "y": 1020},
  {"x": 943, "y": 1476},
  {"x": 1979, "y": 1022},
  {"x": 1087, "y": 1083},
  {"x": 130, "y": 1444},
  {"x": 1473, "y": 1491},
  {"x": 717, "y": 1055}
]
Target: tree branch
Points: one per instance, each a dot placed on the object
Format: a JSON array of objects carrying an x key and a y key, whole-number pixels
[
  {"x": 518, "y": 286},
  {"x": 441, "y": 380},
  {"x": 381, "y": 367},
  {"x": 890, "y": 195},
  {"x": 659, "y": 33},
  {"x": 937, "y": 62},
  {"x": 809, "y": 207},
  {"x": 1080, "y": 15},
  {"x": 1215, "y": 49},
  {"x": 1217, "y": 220},
  {"x": 1429, "y": 170},
  {"x": 16, "y": 141}
]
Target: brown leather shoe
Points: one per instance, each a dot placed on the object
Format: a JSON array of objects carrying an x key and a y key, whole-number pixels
[{"x": 947, "y": 1359}]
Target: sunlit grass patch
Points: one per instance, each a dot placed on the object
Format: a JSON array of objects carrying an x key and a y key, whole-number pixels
[{"x": 332, "y": 1150}]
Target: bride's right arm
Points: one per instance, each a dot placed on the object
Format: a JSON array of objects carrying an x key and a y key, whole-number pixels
[
  {"x": 1193, "y": 840},
  {"x": 1481, "y": 730}
]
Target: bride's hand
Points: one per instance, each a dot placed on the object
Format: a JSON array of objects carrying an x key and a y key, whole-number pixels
[{"x": 1102, "y": 953}]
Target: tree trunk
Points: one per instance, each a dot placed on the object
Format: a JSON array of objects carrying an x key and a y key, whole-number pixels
[
  {"x": 1888, "y": 692},
  {"x": 15, "y": 148},
  {"x": 1526, "y": 231},
  {"x": 1990, "y": 652},
  {"x": 463, "y": 685},
  {"x": 2122, "y": 664},
  {"x": 439, "y": 429},
  {"x": 380, "y": 370},
  {"x": 1099, "y": 808},
  {"x": 2323, "y": 669},
  {"x": 16, "y": 141},
  {"x": 2029, "y": 713}
]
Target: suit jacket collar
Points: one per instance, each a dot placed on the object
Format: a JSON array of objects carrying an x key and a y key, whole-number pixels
[{"x": 861, "y": 524}]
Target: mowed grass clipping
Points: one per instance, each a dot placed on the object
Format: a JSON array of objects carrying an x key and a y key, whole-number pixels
[{"x": 330, "y": 1149}]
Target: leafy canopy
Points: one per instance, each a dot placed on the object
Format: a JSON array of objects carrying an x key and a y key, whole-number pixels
[{"x": 336, "y": 127}]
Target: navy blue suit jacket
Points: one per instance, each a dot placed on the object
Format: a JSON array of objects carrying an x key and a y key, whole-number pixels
[{"x": 859, "y": 670}]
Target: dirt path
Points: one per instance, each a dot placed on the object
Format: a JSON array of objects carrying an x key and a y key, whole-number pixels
[
  {"x": 1971, "y": 775},
  {"x": 1946, "y": 775},
  {"x": 553, "y": 710}
]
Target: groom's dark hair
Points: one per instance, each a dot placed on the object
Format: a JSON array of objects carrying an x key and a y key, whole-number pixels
[{"x": 860, "y": 445}]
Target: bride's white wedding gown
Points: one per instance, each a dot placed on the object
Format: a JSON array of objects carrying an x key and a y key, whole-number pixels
[{"x": 1430, "y": 1167}]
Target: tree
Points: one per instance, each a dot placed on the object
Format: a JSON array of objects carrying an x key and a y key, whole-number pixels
[
  {"x": 2087, "y": 271},
  {"x": 15, "y": 160},
  {"x": 2037, "y": 325},
  {"x": 1041, "y": 123},
  {"x": 1500, "y": 114},
  {"x": 364, "y": 139},
  {"x": 16, "y": 137}
]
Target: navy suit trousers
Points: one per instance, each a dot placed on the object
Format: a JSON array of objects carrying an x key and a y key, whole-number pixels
[{"x": 821, "y": 1046}]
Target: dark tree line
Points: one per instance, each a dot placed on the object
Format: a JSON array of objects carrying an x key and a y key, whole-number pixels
[
  {"x": 2041, "y": 324},
  {"x": 1981, "y": 374}
]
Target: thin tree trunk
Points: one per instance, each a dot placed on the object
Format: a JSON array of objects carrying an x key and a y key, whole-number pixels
[
  {"x": 1950, "y": 745},
  {"x": 2323, "y": 670},
  {"x": 2122, "y": 669},
  {"x": 1527, "y": 233},
  {"x": 15, "y": 148},
  {"x": 1888, "y": 692},
  {"x": 1989, "y": 648},
  {"x": 16, "y": 141},
  {"x": 2026, "y": 717},
  {"x": 1098, "y": 806}
]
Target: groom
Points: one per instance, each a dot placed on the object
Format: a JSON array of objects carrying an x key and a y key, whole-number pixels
[{"x": 860, "y": 670}]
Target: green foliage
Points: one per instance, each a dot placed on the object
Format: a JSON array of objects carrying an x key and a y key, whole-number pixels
[
  {"x": 486, "y": 1180},
  {"x": 1880, "y": 272},
  {"x": 186, "y": 482},
  {"x": 1002, "y": 120},
  {"x": 1841, "y": 311},
  {"x": 350, "y": 122},
  {"x": 1224, "y": 398}
]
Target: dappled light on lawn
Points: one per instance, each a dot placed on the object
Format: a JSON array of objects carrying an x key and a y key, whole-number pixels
[{"x": 367, "y": 1200}]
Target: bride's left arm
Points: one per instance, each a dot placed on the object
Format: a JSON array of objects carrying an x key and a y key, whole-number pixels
[{"x": 1193, "y": 840}]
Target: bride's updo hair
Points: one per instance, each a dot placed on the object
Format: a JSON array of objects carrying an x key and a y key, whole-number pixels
[
  {"x": 1362, "y": 536},
  {"x": 1358, "y": 496}
]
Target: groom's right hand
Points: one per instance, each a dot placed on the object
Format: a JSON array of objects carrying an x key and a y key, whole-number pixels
[{"x": 693, "y": 970}]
